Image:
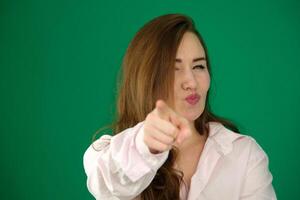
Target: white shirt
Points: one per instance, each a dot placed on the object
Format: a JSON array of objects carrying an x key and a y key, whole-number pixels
[{"x": 232, "y": 166}]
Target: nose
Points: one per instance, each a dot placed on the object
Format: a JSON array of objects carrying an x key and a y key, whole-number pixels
[{"x": 189, "y": 81}]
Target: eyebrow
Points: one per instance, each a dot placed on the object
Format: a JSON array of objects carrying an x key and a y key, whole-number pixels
[{"x": 194, "y": 60}]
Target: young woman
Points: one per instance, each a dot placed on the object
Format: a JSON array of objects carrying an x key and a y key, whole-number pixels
[{"x": 167, "y": 144}]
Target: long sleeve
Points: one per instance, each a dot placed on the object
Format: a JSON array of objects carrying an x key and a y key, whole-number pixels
[
  {"x": 122, "y": 166},
  {"x": 258, "y": 180}
]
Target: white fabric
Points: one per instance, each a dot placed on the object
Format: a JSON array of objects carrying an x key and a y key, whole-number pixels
[{"x": 231, "y": 167}]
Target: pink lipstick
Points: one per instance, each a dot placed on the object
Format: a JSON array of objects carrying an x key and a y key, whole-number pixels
[{"x": 193, "y": 99}]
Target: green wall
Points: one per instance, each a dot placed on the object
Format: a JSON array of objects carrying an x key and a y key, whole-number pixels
[{"x": 59, "y": 62}]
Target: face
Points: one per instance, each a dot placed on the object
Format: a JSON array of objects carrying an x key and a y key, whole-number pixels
[{"x": 192, "y": 79}]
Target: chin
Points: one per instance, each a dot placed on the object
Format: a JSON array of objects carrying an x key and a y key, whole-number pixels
[{"x": 192, "y": 116}]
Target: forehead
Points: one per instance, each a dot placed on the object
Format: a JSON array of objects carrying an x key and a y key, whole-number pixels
[{"x": 190, "y": 47}]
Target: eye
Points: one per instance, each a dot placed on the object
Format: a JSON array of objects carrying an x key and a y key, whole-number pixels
[{"x": 199, "y": 66}]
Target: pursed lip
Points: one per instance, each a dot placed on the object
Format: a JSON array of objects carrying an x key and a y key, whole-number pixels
[{"x": 193, "y": 98}]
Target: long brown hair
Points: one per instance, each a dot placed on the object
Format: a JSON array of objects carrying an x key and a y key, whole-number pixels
[{"x": 148, "y": 75}]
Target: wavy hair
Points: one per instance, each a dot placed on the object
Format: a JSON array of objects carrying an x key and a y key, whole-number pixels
[{"x": 147, "y": 74}]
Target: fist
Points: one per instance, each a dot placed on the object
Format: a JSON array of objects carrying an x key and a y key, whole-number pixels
[{"x": 164, "y": 128}]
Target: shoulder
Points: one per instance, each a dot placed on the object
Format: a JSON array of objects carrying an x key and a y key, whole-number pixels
[{"x": 232, "y": 141}]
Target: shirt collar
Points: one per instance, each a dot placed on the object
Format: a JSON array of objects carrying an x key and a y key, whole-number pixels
[{"x": 222, "y": 136}]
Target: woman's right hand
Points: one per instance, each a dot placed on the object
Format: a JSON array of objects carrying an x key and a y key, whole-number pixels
[{"x": 164, "y": 128}]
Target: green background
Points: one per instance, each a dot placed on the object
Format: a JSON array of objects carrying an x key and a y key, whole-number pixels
[{"x": 59, "y": 62}]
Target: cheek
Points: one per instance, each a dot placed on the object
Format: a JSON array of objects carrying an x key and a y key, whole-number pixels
[
  {"x": 204, "y": 82},
  {"x": 208, "y": 81},
  {"x": 176, "y": 89}
]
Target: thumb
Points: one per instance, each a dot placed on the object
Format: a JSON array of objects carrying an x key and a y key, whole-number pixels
[
  {"x": 185, "y": 129},
  {"x": 182, "y": 135}
]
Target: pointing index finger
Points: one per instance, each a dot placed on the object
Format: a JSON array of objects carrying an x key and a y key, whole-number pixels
[{"x": 163, "y": 110}]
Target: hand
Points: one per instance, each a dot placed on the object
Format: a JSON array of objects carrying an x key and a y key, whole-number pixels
[{"x": 164, "y": 128}]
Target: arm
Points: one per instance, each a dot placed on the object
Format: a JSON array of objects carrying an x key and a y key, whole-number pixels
[
  {"x": 123, "y": 165},
  {"x": 258, "y": 181}
]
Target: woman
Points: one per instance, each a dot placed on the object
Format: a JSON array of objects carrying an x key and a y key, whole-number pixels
[{"x": 167, "y": 144}]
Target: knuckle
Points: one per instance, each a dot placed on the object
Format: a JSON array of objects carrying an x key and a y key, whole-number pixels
[
  {"x": 152, "y": 116},
  {"x": 164, "y": 146},
  {"x": 171, "y": 140},
  {"x": 149, "y": 116},
  {"x": 174, "y": 130},
  {"x": 146, "y": 129}
]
